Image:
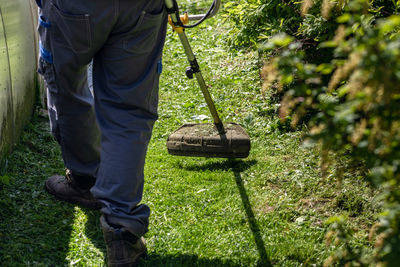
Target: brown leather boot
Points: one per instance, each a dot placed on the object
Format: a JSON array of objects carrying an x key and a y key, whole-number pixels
[
  {"x": 66, "y": 188},
  {"x": 123, "y": 248}
]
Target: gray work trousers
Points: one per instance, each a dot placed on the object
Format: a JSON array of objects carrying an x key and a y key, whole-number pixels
[{"x": 105, "y": 134}]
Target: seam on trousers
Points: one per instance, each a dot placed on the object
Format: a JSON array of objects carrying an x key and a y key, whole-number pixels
[
  {"x": 63, "y": 145},
  {"x": 116, "y": 8}
]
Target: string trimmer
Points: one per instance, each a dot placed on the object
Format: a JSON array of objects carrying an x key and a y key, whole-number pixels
[{"x": 222, "y": 140}]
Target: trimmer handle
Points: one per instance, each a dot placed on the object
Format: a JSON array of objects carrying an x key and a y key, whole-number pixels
[
  {"x": 178, "y": 25},
  {"x": 171, "y": 4},
  {"x": 217, "y": 5}
]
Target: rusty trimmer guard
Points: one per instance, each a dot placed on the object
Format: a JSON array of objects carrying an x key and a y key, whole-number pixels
[{"x": 204, "y": 140}]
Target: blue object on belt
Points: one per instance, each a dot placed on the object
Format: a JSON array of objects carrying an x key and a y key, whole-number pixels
[
  {"x": 159, "y": 66},
  {"x": 39, "y": 3},
  {"x": 45, "y": 54},
  {"x": 44, "y": 23}
]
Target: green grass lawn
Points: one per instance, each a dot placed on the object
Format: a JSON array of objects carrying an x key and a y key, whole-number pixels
[{"x": 269, "y": 209}]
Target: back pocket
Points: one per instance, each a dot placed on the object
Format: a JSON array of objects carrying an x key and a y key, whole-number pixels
[
  {"x": 71, "y": 30},
  {"x": 144, "y": 36}
]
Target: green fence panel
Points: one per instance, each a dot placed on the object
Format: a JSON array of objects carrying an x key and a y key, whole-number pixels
[{"x": 18, "y": 62}]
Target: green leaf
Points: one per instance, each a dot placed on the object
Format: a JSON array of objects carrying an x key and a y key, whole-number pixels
[
  {"x": 328, "y": 44},
  {"x": 281, "y": 40},
  {"x": 325, "y": 68},
  {"x": 344, "y": 18},
  {"x": 287, "y": 79},
  {"x": 389, "y": 24},
  {"x": 5, "y": 180}
]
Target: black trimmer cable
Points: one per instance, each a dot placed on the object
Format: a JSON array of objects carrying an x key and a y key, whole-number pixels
[{"x": 180, "y": 24}]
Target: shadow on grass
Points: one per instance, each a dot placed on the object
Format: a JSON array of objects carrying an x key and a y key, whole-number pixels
[
  {"x": 230, "y": 164},
  {"x": 34, "y": 231},
  {"x": 93, "y": 230},
  {"x": 264, "y": 258},
  {"x": 238, "y": 166},
  {"x": 154, "y": 260}
]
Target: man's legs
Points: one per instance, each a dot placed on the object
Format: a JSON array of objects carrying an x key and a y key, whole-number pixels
[
  {"x": 125, "y": 38},
  {"x": 126, "y": 76},
  {"x": 66, "y": 48}
]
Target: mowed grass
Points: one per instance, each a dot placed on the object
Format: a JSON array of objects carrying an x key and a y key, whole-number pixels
[{"x": 268, "y": 209}]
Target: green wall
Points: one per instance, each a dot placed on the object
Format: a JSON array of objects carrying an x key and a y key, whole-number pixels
[{"x": 18, "y": 63}]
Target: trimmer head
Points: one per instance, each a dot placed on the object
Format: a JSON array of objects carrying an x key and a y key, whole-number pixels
[{"x": 203, "y": 140}]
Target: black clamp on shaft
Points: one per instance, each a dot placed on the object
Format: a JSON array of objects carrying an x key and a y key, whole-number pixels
[
  {"x": 194, "y": 68},
  {"x": 189, "y": 72}
]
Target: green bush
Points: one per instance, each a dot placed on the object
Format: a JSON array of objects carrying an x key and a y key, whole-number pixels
[
  {"x": 354, "y": 97},
  {"x": 309, "y": 21},
  {"x": 257, "y": 20},
  {"x": 335, "y": 66}
]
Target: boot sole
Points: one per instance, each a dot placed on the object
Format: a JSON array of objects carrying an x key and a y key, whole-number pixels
[{"x": 74, "y": 200}]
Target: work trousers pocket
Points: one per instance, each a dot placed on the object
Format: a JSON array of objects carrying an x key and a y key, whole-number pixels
[
  {"x": 71, "y": 30},
  {"x": 46, "y": 69},
  {"x": 143, "y": 38}
]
